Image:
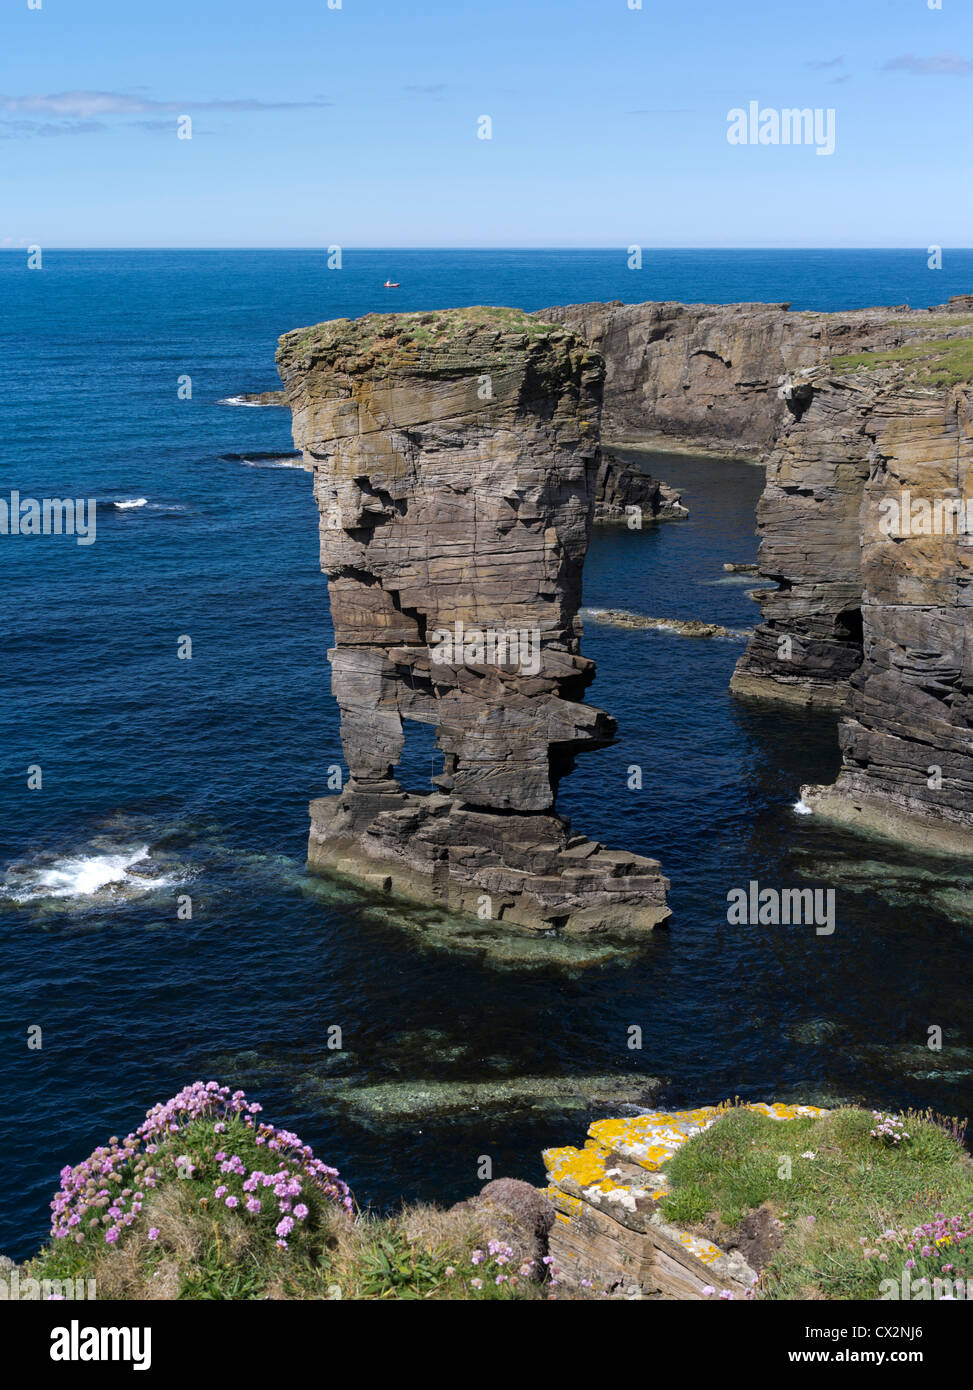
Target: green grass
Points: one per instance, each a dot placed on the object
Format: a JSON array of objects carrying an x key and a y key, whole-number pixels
[
  {"x": 853, "y": 1188},
  {"x": 939, "y": 362},
  {"x": 433, "y": 330}
]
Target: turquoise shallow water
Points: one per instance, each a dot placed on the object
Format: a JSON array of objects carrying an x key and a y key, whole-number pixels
[{"x": 164, "y": 776}]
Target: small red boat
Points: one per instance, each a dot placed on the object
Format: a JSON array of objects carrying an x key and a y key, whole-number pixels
[{"x": 391, "y": 285}]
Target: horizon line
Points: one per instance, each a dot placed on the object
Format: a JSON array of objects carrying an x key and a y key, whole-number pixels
[{"x": 324, "y": 248}]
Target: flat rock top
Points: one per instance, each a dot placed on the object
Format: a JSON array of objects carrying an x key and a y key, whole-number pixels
[{"x": 442, "y": 340}]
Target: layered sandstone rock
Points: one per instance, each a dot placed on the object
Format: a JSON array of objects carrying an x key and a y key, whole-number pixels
[
  {"x": 626, "y": 495},
  {"x": 706, "y": 375},
  {"x": 455, "y": 457},
  {"x": 610, "y": 1233},
  {"x": 854, "y": 405},
  {"x": 870, "y": 621},
  {"x": 810, "y": 641},
  {"x": 907, "y": 732}
]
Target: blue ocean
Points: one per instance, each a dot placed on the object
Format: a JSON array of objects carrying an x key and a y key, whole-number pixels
[{"x": 164, "y": 779}]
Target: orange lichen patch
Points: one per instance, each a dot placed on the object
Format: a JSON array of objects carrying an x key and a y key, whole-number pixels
[
  {"x": 779, "y": 1111},
  {"x": 564, "y": 1203},
  {"x": 651, "y": 1140},
  {"x": 702, "y": 1249},
  {"x": 581, "y": 1167}
]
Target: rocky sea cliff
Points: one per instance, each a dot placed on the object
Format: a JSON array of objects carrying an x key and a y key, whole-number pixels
[{"x": 458, "y": 470}]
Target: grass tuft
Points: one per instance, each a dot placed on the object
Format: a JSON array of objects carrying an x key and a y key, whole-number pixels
[{"x": 835, "y": 1190}]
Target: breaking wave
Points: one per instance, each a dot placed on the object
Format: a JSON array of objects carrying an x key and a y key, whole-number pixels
[{"x": 104, "y": 876}]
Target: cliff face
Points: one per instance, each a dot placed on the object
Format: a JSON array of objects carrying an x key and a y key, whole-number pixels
[
  {"x": 872, "y": 618},
  {"x": 907, "y": 731},
  {"x": 856, "y": 411},
  {"x": 707, "y": 374},
  {"x": 810, "y": 641},
  {"x": 455, "y": 457}
]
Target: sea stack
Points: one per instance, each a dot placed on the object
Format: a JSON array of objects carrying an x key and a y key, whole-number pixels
[
  {"x": 865, "y": 524},
  {"x": 907, "y": 728},
  {"x": 455, "y": 458}
]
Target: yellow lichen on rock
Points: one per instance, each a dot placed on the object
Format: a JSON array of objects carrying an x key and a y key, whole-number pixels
[
  {"x": 779, "y": 1111},
  {"x": 605, "y": 1197},
  {"x": 650, "y": 1140},
  {"x": 703, "y": 1249},
  {"x": 581, "y": 1167}
]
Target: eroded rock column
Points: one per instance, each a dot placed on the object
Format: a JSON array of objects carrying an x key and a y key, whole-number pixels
[
  {"x": 455, "y": 457},
  {"x": 866, "y": 522},
  {"x": 907, "y": 731},
  {"x": 809, "y": 643}
]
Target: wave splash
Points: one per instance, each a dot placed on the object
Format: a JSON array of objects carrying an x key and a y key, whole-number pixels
[{"x": 121, "y": 873}]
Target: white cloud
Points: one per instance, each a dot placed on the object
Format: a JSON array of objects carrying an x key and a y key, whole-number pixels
[
  {"x": 940, "y": 65},
  {"x": 84, "y": 105}
]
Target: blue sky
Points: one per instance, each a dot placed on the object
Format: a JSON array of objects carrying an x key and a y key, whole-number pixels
[{"x": 358, "y": 126}]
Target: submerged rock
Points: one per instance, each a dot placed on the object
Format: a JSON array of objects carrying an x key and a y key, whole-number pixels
[
  {"x": 686, "y": 627},
  {"x": 455, "y": 457},
  {"x": 257, "y": 398},
  {"x": 401, "y": 1102}
]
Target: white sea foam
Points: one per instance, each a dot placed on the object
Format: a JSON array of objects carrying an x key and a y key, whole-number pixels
[
  {"x": 129, "y": 504},
  {"x": 802, "y": 808},
  {"x": 242, "y": 401},
  {"x": 283, "y": 462},
  {"x": 123, "y": 873}
]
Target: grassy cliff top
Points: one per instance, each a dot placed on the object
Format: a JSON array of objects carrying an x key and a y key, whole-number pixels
[
  {"x": 936, "y": 362},
  {"x": 851, "y": 1199},
  {"x": 460, "y": 335}
]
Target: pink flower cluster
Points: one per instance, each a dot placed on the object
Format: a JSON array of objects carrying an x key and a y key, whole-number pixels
[
  {"x": 500, "y": 1254},
  {"x": 890, "y": 1129},
  {"x": 108, "y": 1189},
  {"x": 941, "y": 1238}
]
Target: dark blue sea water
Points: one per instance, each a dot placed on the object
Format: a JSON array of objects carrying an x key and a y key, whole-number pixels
[{"x": 164, "y": 777}]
